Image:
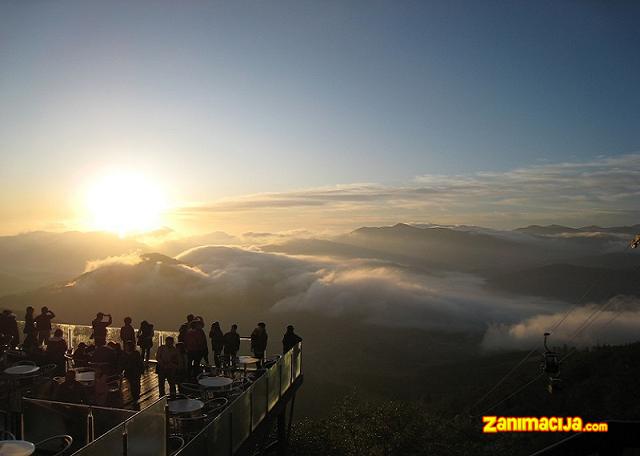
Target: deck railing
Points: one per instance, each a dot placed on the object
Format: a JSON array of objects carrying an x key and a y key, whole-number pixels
[
  {"x": 41, "y": 419},
  {"x": 74, "y": 334},
  {"x": 231, "y": 429},
  {"x": 143, "y": 434}
]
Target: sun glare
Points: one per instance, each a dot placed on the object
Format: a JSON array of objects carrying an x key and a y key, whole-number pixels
[{"x": 125, "y": 203}]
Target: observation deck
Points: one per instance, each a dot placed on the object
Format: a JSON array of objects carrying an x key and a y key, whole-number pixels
[{"x": 253, "y": 417}]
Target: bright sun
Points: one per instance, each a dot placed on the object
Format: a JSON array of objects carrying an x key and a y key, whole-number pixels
[{"x": 125, "y": 203}]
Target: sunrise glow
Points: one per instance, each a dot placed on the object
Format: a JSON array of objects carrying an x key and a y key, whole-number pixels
[{"x": 125, "y": 203}]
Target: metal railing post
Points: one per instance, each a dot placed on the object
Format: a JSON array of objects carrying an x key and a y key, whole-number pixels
[{"x": 90, "y": 432}]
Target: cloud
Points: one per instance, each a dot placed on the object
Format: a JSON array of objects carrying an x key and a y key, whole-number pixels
[
  {"x": 368, "y": 291},
  {"x": 603, "y": 190},
  {"x": 614, "y": 322},
  {"x": 128, "y": 259},
  {"x": 247, "y": 281}
]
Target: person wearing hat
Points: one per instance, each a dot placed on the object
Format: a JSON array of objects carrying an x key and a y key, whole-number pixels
[{"x": 290, "y": 339}]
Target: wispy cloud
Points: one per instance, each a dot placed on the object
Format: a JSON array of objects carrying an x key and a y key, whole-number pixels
[{"x": 603, "y": 190}]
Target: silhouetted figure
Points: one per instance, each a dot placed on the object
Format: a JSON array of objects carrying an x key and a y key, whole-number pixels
[
  {"x": 182, "y": 375},
  {"x": 259, "y": 338},
  {"x": 70, "y": 390},
  {"x": 290, "y": 339},
  {"x": 184, "y": 327},
  {"x": 195, "y": 341},
  {"x": 231, "y": 344},
  {"x": 127, "y": 333},
  {"x": 56, "y": 349},
  {"x": 100, "y": 327},
  {"x": 118, "y": 355},
  {"x": 101, "y": 388},
  {"x": 30, "y": 332},
  {"x": 9, "y": 328},
  {"x": 133, "y": 368},
  {"x": 145, "y": 340},
  {"x": 80, "y": 356},
  {"x": 168, "y": 366},
  {"x": 205, "y": 346},
  {"x": 43, "y": 325},
  {"x": 217, "y": 343},
  {"x": 104, "y": 356}
]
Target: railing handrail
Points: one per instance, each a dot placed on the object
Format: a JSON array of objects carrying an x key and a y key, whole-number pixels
[
  {"x": 75, "y": 404},
  {"x": 115, "y": 328},
  {"x": 227, "y": 413}
]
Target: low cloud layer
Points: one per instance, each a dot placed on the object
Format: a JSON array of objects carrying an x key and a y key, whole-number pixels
[
  {"x": 602, "y": 191},
  {"x": 614, "y": 322},
  {"x": 369, "y": 291}
]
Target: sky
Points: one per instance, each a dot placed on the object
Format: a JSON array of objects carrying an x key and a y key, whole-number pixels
[{"x": 325, "y": 115}]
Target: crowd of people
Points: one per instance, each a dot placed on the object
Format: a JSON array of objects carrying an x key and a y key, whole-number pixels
[{"x": 177, "y": 361}]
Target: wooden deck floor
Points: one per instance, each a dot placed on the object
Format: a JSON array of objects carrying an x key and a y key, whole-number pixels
[
  {"x": 121, "y": 399},
  {"x": 148, "y": 392}
]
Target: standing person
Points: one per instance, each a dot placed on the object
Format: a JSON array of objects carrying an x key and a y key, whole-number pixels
[
  {"x": 9, "y": 327},
  {"x": 195, "y": 341},
  {"x": 127, "y": 333},
  {"x": 29, "y": 326},
  {"x": 231, "y": 344},
  {"x": 100, "y": 388},
  {"x": 43, "y": 324},
  {"x": 100, "y": 328},
  {"x": 217, "y": 342},
  {"x": 205, "y": 346},
  {"x": 168, "y": 363},
  {"x": 56, "y": 349},
  {"x": 145, "y": 340},
  {"x": 184, "y": 327},
  {"x": 259, "y": 338},
  {"x": 290, "y": 340},
  {"x": 133, "y": 368}
]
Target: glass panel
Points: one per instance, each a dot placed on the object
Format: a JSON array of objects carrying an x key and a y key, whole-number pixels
[
  {"x": 245, "y": 347},
  {"x": 105, "y": 419},
  {"x": 285, "y": 372},
  {"x": 219, "y": 435},
  {"x": 146, "y": 431},
  {"x": 110, "y": 444},
  {"x": 296, "y": 360},
  {"x": 259, "y": 400},
  {"x": 44, "y": 419},
  {"x": 197, "y": 446},
  {"x": 273, "y": 382},
  {"x": 241, "y": 420}
]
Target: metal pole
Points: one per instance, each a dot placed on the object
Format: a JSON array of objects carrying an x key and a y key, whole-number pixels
[{"x": 167, "y": 428}]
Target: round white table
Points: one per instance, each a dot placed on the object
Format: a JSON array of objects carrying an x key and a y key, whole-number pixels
[
  {"x": 16, "y": 448},
  {"x": 247, "y": 360},
  {"x": 215, "y": 382},
  {"x": 86, "y": 376},
  {"x": 21, "y": 369},
  {"x": 185, "y": 406}
]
